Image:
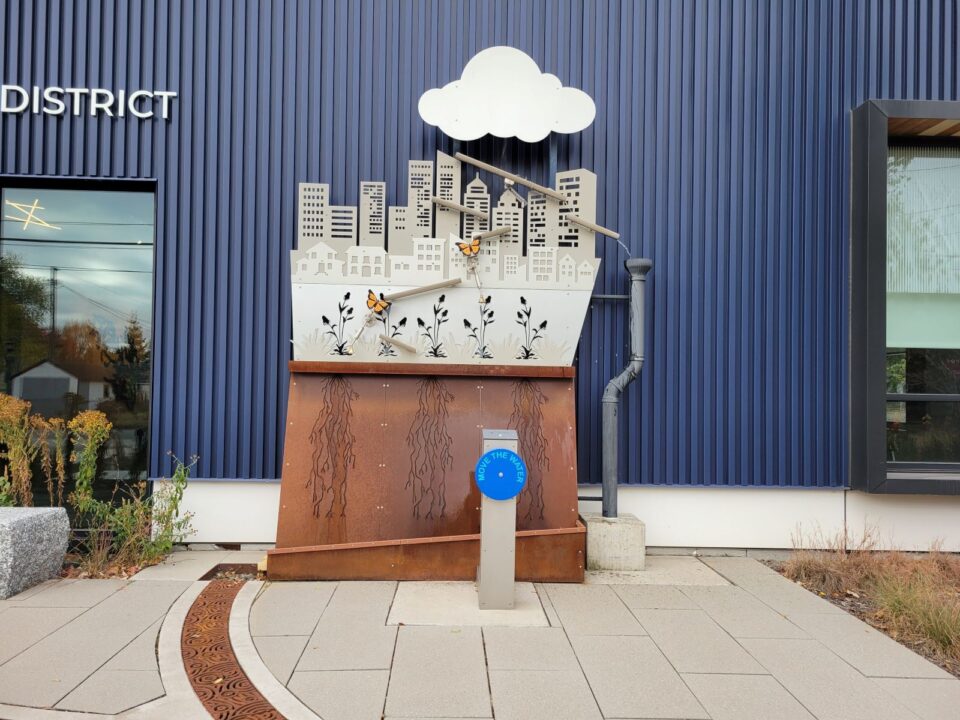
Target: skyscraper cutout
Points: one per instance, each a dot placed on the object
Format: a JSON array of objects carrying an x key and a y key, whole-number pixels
[
  {"x": 447, "y": 221},
  {"x": 477, "y": 198},
  {"x": 373, "y": 199}
]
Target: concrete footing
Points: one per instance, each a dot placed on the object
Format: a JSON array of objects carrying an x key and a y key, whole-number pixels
[{"x": 615, "y": 543}]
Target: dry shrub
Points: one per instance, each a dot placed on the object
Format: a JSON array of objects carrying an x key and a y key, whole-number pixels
[
  {"x": 914, "y": 597},
  {"x": 919, "y": 597},
  {"x": 18, "y": 436},
  {"x": 832, "y": 565},
  {"x": 23, "y": 437},
  {"x": 53, "y": 461}
]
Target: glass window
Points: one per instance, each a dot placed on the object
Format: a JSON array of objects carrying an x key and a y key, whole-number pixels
[
  {"x": 76, "y": 294},
  {"x": 923, "y": 304}
]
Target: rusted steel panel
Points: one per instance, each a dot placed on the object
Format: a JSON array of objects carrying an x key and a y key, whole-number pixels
[
  {"x": 381, "y": 457},
  {"x": 542, "y": 414},
  {"x": 388, "y": 459}
]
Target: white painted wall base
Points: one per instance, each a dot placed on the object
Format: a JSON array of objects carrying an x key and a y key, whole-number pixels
[
  {"x": 227, "y": 511},
  {"x": 736, "y": 517},
  {"x": 680, "y": 517}
]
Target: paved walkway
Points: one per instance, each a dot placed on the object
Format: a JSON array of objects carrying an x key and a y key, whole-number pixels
[{"x": 718, "y": 638}]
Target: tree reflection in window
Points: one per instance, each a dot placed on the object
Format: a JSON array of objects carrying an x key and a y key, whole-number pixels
[{"x": 76, "y": 296}]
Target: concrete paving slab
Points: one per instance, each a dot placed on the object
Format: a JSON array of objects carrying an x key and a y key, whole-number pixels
[
  {"x": 826, "y": 685},
  {"x": 547, "y": 605},
  {"x": 654, "y": 597},
  {"x": 456, "y": 603},
  {"x": 695, "y": 551},
  {"x": 281, "y": 653},
  {"x": 660, "y": 570},
  {"x": 342, "y": 695},
  {"x": 46, "y": 672},
  {"x": 243, "y": 557},
  {"x": 361, "y": 602},
  {"x": 180, "y": 701},
  {"x": 745, "y": 697},
  {"x": 113, "y": 691},
  {"x": 631, "y": 678},
  {"x": 15, "y": 712},
  {"x": 787, "y": 597},
  {"x": 739, "y": 569},
  {"x": 75, "y": 594},
  {"x": 290, "y": 608},
  {"x": 928, "y": 699},
  {"x": 25, "y": 626},
  {"x": 140, "y": 654},
  {"x": 694, "y": 643},
  {"x": 349, "y": 647},
  {"x": 741, "y": 614},
  {"x": 352, "y": 634},
  {"x": 542, "y": 695},
  {"x": 592, "y": 610},
  {"x": 274, "y": 692},
  {"x": 185, "y": 565},
  {"x": 528, "y": 649},
  {"x": 30, "y": 592},
  {"x": 868, "y": 650},
  {"x": 438, "y": 671}
]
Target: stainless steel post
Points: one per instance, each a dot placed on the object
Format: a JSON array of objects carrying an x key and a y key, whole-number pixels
[{"x": 498, "y": 536}]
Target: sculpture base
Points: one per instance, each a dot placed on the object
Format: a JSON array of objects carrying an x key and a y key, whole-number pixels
[
  {"x": 377, "y": 470},
  {"x": 542, "y": 556}
]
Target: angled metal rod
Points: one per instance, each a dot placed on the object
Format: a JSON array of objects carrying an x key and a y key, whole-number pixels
[
  {"x": 398, "y": 343},
  {"x": 593, "y": 226},
  {"x": 496, "y": 232},
  {"x": 549, "y": 192},
  {"x": 459, "y": 208},
  {"x": 422, "y": 289}
]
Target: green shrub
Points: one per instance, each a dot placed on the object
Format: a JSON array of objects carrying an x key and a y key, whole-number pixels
[
  {"x": 6, "y": 493},
  {"x": 140, "y": 529}
]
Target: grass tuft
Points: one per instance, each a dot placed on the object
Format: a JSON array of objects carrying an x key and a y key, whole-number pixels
[{"x": 913, "y": 597}]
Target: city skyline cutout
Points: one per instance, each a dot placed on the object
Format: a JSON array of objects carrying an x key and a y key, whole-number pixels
[{"x": 524, "y": 240}]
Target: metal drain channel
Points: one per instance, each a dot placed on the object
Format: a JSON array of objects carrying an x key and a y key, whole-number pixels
[{"x": 212, "y": 667}]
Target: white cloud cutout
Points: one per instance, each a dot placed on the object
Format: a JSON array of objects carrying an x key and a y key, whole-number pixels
[{"x": 502, "y": 92}]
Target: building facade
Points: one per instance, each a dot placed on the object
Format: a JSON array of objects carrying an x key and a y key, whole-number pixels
[{"x": 722, "y": 150}]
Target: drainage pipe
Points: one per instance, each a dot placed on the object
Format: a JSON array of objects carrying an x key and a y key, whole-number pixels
[{"x": 610, "y": 403}]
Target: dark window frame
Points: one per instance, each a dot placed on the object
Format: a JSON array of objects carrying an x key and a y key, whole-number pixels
[{"x": 868, "y": 468}]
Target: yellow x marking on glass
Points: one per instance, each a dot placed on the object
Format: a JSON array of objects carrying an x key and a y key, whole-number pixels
[{"x": 29, "y": 216}]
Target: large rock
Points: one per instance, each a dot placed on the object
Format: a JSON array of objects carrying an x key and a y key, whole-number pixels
[{"x": 33, "y": 543}]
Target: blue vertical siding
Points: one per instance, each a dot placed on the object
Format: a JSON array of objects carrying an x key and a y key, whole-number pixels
[{"x": 721, "y": 144}]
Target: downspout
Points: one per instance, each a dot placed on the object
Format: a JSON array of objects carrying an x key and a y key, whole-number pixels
[{"x": 610, "y": 403}]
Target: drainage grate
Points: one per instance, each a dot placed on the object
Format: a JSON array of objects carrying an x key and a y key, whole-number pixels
[{"x": 217, "y": 679}]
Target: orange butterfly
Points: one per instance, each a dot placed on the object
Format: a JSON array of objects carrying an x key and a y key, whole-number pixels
[
  {"x": 377, "y": 305},
  {"x": 471, "y": 249}
]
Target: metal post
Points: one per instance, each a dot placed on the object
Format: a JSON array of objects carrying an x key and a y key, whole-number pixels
[
  {"x": 610, "y": 403},
  {"x": 498, "y": 536}
]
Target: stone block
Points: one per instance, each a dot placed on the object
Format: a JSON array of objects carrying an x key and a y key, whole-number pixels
[
  {"x": 615, "y": 543},
  {"x": 33, "y": 543}
]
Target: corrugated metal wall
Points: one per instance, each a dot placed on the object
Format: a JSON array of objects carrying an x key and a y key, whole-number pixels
[{"x": 721, "y": 145}]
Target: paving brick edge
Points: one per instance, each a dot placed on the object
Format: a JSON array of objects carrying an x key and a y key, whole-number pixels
[{"x": 275, "y": 692}]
